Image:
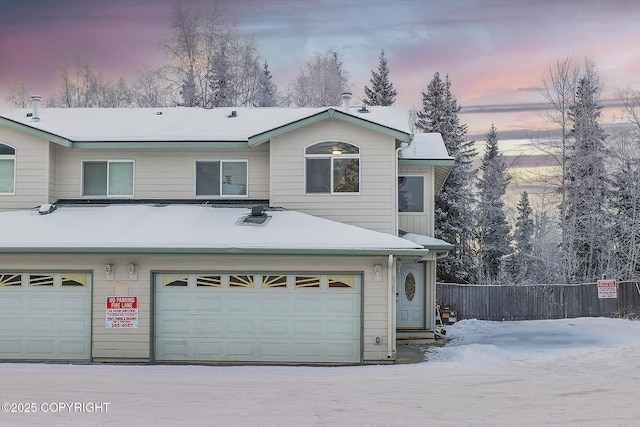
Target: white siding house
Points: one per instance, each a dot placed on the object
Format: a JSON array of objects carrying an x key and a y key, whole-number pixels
[{"x": 255, "y": 235}]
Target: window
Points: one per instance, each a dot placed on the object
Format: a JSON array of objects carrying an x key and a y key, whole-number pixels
[
  {"x": 110, "y": 178},
  {"x": 7, "y": 169},
  {"x": 411, "y": 194},
  {"x": 332, "y": 167},
  {"x": 221, "y": 178}
]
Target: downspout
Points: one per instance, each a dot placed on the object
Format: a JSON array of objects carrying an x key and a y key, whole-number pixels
[
  {"x": 391, "y": 309},
  {"x": 391, "y": 270}
]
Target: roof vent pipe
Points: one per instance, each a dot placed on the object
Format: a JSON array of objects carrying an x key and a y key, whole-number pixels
[
  {"x": 346, "y": 100},
  {"x": 35, "y": 99}
]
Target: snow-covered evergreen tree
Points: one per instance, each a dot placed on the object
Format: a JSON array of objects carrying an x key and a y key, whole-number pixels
[
  {"x": 492, "y": 226},
  {"x": 382, "y": 91},
  {"x": 454, "y": 203},
  {"x": 267, "y": 95},
  {"x": 587, "y": 188},
  {"x": 522, "y": 261}
]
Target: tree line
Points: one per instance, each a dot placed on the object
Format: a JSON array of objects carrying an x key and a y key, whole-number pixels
[{"x": 587, "y": 226}]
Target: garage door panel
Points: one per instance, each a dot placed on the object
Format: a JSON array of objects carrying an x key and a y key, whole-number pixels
[
  {"x": 208, "y": 303},
  {"x": 274, "y": 327},
  {"x": 267, "y": 323},
  {"x": 74, "y": 303},
  {"x": 40, "y": 326},
  {"x": 271, "y": 350},
  {"x": 341, "y": 350},
  {"x": 241, "y": 303},
  {"x": 242, "y": 326},
  {"x": 40, "y": 348},
  {"x": 11, "y": 302},
  {"x": 11, "y": 327},
  {"x": 73, "y": 349},
  {"x": 207, "y": 350},
  {"x": 344, "y": 328},
  {"x": 174, "y": 326},
  {"x": 208, "y": 326},
  {"x": 75, "y": 325},
  {"x": 42, "y": 302},
  {"x": 245, "y": 349}
]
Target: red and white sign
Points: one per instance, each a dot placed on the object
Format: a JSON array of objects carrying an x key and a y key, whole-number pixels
[
  {"x": 122, "y": 312},
  {"x": 607, "y": 288}
]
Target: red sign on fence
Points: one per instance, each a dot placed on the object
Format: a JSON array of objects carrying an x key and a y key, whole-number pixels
[
  {"x": 122, "y": 312},
  {"x": 607, "y": 288}
]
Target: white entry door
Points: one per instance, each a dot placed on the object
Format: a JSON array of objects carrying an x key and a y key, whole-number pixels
[{"x": 410, "y": 299}]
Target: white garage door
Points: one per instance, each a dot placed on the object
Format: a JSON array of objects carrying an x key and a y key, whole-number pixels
[
  {"x": 45, "y": 316},
  {"x": 258, "y": 318}
]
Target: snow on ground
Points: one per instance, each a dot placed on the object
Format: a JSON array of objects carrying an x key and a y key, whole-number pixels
[{"x": 574, "y": 372}]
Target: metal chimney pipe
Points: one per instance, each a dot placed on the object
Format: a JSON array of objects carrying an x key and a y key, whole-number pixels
[
  {"x": 346, "y": 100},
  {"x": 35, "y": 99}
]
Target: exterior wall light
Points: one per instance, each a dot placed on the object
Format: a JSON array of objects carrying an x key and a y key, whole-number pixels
[
  {"x": 377, "y": 272},
  {"x": 108, "y": 269},
  {"x": 132, "y": 268}
]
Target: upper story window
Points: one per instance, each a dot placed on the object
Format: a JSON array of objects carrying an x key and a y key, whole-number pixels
[
  {"x": 7, "y": 169},
  {"x": 411, "y": 194},
  {"x": 332, "y": 167},
  {"x": 221, "y": 178},
  {"x": 107, "y": 178}
]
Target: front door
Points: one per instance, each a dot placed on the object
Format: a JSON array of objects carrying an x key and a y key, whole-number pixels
[{"x": 410, "y": 299}]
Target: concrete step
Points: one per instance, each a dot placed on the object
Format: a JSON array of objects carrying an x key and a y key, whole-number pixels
[{"x": 414, "y": 336}]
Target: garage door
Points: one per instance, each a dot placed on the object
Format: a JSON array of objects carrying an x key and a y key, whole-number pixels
[
  {"x": 258, "y": 318},
  {"x": 45, "y": 316}
]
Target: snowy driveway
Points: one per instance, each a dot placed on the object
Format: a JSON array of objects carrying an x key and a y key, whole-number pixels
[{"x": 576, "y": 372}]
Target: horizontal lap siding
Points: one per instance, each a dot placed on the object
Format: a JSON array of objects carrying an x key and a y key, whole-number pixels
[
  {"x": 373, "y": 208},
  {"x": 162, "y": 174},
  {"x": 31, "y": 163}
]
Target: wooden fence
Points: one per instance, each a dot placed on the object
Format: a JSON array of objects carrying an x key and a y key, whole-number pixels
[{"x": 529, "y": 302}]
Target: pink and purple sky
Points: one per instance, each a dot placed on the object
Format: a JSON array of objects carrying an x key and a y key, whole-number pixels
[{"x": 495, "y": 51}]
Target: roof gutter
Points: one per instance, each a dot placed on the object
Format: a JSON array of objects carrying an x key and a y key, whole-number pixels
[{"x": 353, "y": 252}]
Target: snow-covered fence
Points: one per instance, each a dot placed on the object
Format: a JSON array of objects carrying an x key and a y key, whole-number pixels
[{"x": 530, "y": 302}]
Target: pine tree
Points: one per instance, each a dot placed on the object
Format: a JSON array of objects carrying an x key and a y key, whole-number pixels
[
  {"x": 267, "y": 90},
  {"x": 492, "y": 227},
  {"x": 382, "y": 91},
  {"x": 522, "y": 260},
  {"x": 454, "y": 202},
  {"x": 586, "y": 215}
]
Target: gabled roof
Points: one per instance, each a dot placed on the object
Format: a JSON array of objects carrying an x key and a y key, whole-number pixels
[
  {"x": 180, "y": 229},
  {"x": 190, "y": 127}
]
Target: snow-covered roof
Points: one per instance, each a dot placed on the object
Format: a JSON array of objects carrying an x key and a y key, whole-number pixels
[
  {"x": 426, "y": 146},
  {"x": 187, "y": 124},
  {"x": 184, "y": 228},
  {"x": 428, "y": 242}
]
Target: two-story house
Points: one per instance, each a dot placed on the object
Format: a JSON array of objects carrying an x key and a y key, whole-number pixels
[{"x": 224, "y": 235}]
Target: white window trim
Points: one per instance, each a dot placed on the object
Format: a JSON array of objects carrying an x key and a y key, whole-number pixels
[
  {"x": 108, "y": 196},
  {"x": 221, "y": 196},
  {"x": 424, "y": 195},
  {"x": 332, "y": 157},
  {"x": 10, "y": 157}
]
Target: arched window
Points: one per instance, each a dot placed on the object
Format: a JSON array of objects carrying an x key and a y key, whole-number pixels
[
  {"x": 332, "y": 167},
  {"x": 7, "y": 169}
]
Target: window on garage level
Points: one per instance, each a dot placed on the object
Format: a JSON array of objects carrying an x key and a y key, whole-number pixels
[
  {"x": 10, "y": 279},
  {"x": 7, "y": 169},
  {"x": 219, "y": 178},
  {"x": 107, "y": 178},
  {"x": 332, "y": 167}
]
